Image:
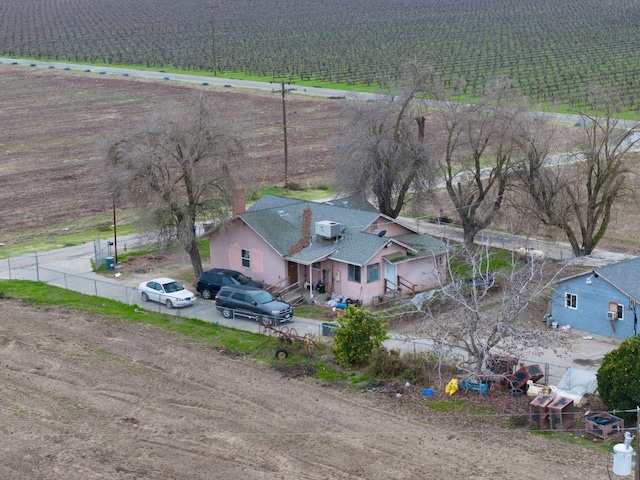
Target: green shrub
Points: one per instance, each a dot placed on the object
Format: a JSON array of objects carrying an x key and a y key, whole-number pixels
[
  {"x": 390, "y": 364},
  {"x": 385, "y": 363},
  {"x": 619, "y": 378},
  {"x": 360, "y": 331}
]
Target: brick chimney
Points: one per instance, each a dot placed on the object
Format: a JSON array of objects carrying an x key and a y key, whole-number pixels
[{"x": 239, "y": 201}]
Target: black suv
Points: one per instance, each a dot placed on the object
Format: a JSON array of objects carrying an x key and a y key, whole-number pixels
[
  {"x": 212, "y": 280},
  {"x": 254, "y": 303}
]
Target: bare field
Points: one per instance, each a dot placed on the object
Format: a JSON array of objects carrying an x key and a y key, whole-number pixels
[
  {"x": 52, "y": 146},
  {"x": 84, "y": 397},
  {"x": 55, "y": 123}
]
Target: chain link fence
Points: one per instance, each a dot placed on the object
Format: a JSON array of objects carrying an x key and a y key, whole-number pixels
[{"x": 28, "y": 267}]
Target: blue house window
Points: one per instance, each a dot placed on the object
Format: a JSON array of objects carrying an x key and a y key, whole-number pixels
[
  {"x": 616, "y": 311},
  {"x": 571, "y": 300}
]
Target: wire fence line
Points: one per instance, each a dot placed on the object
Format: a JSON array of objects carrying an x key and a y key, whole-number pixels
[
  {"x": 553, "y": 373},
  {"x": 29, "y": 267}
]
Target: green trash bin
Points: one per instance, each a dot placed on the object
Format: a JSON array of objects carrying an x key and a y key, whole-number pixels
[{"x": 110, "y": 262}]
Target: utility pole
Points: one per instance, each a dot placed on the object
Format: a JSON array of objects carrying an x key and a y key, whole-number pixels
[
  {"x": 284, "y": 91},
  {"x": 213, "y": 45},
  {"x": 115, "y": 235},
  {"x": 637, "y": 469}
]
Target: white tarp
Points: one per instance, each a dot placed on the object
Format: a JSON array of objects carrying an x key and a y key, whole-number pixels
[{"x": 575, "y": 384}]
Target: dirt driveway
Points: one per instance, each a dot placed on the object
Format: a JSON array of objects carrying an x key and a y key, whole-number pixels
[{"x": 85, "y": 398}]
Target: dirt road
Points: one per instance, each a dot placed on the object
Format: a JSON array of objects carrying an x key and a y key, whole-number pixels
[{"x": 84, "y": 397}]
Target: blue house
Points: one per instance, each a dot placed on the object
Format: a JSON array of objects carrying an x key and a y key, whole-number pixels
[{"x": 602, "y": 301}]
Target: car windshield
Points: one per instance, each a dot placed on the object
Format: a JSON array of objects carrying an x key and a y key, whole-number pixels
[
  {"x": 264, "y": 297},
  {"x": 242, "y": 279},
  {"x": 172, "y": 287}
]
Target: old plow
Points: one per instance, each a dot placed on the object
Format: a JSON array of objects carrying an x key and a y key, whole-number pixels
[{"x": 289, "y": 338}]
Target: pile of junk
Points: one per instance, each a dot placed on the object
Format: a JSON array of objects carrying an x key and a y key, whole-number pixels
[
  {"x": 507, "y": 374},
  {"x": 553, "y": 405}
]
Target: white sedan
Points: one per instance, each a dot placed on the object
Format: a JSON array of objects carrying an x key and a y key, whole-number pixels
[{"x": 166, "y": 291}]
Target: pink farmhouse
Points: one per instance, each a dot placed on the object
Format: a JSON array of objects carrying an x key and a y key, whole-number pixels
[{"x": 344, "y": 246}]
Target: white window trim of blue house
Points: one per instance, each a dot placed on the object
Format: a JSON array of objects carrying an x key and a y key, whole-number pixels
[
  {"x": 571, "y": 300},
  {"x": 619, "y": 310}
]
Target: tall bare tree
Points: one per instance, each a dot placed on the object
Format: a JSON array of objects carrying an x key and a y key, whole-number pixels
[
  {"x": 477, "y": 158},
  {"x": 480, "y": 313},
  {"x": 174, "y": 168},
  {"x": 385, "y": 154},
  {"x": 576, "y": 191}
]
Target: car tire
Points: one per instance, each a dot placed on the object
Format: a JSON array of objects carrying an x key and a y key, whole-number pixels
[
  {"x": 206, "y": 294},
  {"x": 144, "y": 297},
  {"x": 266, "y": 321},
  {"x": 169, "y": 304},
  {"x": 226, "y": 312},
  {"x": 281, "y": 354}
]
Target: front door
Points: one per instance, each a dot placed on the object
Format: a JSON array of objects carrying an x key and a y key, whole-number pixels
[
  {"x": 391, "y": 274},
  {"x": 292, "y": 268}
]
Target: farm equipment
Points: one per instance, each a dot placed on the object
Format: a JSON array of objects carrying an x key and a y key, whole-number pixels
[{"x": 289, "y": 337}]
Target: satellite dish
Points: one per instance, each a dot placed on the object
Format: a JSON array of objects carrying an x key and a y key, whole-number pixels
[{"x": 382, "y": 233}]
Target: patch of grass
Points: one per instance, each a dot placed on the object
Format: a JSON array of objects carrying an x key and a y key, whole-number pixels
[
  {"x": 64, "y": 235},
  {"x": 448, "y": 405},
  {"x": 582, "y": 440},
  {"x": 295, "y": 191},
  {"x": 498, "y": 260},
  {"x": 106, "y": 355},
  {"x": 230, "y": 340},
  {"x": 19, "y": 411},
  {"x": 314, "y": 311}
]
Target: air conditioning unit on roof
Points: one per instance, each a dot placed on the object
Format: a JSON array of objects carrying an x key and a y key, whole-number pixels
[{"x": 327, "y": 229}]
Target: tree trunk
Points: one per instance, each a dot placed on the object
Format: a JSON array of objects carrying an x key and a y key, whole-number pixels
[{"x": 194, "y": 256}]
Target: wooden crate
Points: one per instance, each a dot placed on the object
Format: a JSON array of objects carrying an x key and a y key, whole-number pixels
[
  {"x": 560, "y": 413},
  {"x": 604, "y": 425},
  {"x": 539, "y": 411}
]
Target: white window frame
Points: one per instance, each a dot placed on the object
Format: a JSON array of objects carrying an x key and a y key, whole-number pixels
[
  {"x": 571, "y": 300},
  {"x": 245, "y": 258},
  {"x": 619, "y": 310}
]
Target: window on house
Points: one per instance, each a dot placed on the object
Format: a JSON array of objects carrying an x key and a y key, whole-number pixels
[
  {"x": 246, "y": 259},
  {"x": 354, "y": 273},
  {"x": 617, "y": 309},
  {"x": 439, "y": 261},
  {"x": 315, "y": 265},
  {"x": 373, "y": 273},
  {"x": 571, "y": 300}
]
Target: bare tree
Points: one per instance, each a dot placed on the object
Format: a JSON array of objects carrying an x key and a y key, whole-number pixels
[
  {"x": 480, "y": 312},
  {"x": 174, "y": 168},
  {"x": 477, "y": 158},
  {"x": 385, "y": 154},
  {"x": 576, "y": 192}
]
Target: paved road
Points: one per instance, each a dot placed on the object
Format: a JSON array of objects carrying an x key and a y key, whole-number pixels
[
  {"x": 248, "y": 84},
  {"x": 199, "y": 79}
]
